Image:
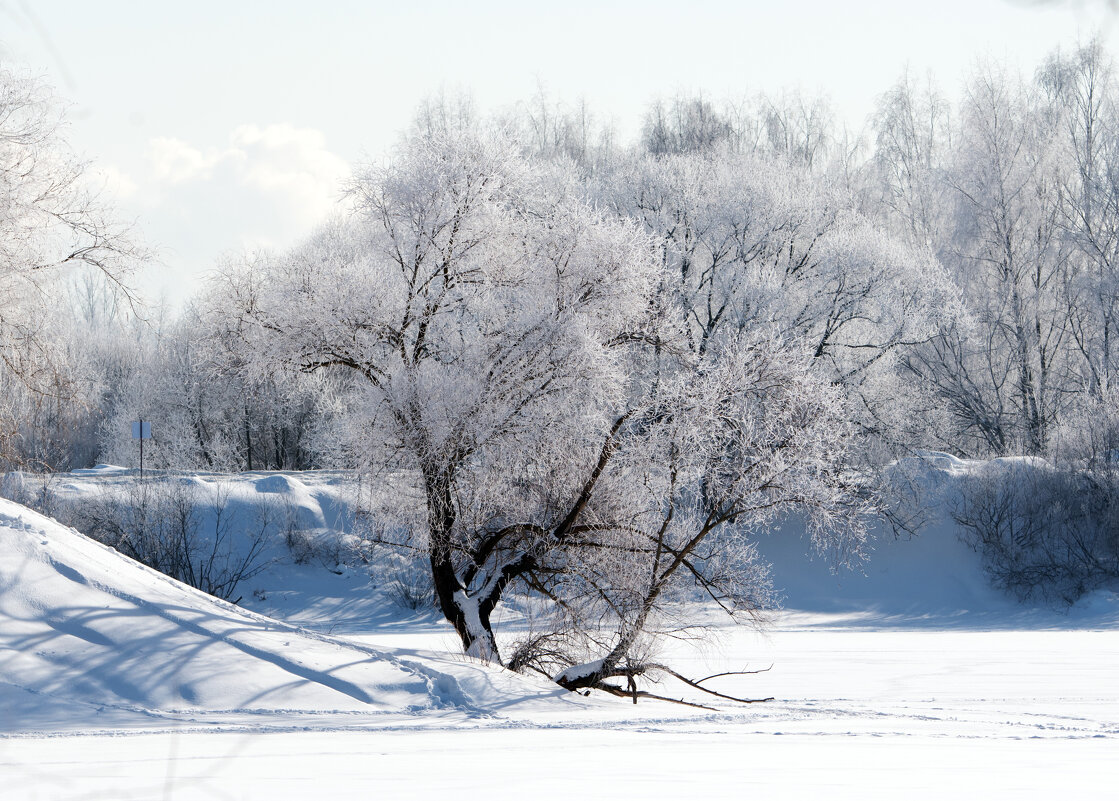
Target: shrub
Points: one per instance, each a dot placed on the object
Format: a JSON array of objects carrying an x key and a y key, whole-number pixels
[
  {"x": 1044, "y": 532},
  {"x": 168, "y": 525}
]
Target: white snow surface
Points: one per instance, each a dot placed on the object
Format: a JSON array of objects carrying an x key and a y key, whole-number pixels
[
  {"x": 909, "y": 679},
  {"x": 93, "y": 641}
]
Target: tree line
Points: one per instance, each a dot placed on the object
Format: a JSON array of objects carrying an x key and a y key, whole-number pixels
[{"x": 952, "y": 266}]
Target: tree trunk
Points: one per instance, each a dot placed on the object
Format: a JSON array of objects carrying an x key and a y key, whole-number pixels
[{"x": 471, "y": 623}]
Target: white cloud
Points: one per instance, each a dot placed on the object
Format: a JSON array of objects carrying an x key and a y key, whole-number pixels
[
  {"x": 264, "y": 186},
  {"x": 174, "y": 161},
  {"x": 292, "y": 163},
  {"x": 112, "y": 180},
  {"x": 286, "y": 168}
]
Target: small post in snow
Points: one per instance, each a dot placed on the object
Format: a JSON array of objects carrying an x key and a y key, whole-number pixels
[{"x": 141, "y": 430}]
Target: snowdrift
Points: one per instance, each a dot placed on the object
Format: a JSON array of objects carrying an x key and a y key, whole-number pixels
[
  {"x": 90, "y": 639},
  {"x": 931, "y": 578}
]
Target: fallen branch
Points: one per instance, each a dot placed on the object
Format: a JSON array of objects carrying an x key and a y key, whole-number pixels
[
  {"x": 699, "y": 683},
  {"x": 623, "y": 692},
  {"x": 596, "y": 680}
]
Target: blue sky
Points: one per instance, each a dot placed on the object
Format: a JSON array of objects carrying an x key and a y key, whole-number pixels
[{"x": 220, "y": 126}]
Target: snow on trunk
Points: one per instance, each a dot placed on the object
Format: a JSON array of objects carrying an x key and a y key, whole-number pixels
[{"x": 481, "y": 645}]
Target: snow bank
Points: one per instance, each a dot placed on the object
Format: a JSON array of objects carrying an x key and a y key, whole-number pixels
[
  {"x": 929, "y": 578},
  {"x": 92, "y": 640}
]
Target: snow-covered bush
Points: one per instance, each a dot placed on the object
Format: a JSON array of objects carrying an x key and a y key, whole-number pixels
[
  {"x": 408, "y": 577},
  {"x": 1050, "y": 530},
  {"x": 171, "y": 525},
  {"x": 1044, "y": 533}
]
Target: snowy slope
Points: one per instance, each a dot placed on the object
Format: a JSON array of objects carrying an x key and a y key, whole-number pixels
[
  {"x": 92, "y": 640},
  {"x": 930, "y": 576}
]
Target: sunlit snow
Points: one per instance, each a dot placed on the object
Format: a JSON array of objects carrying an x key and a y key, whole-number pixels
[{"x": 912, "y": 680}]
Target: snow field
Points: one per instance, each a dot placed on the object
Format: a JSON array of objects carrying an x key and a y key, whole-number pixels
[
  {"x": 909, "y": 680},
  {"x": 711, "y": 762}
]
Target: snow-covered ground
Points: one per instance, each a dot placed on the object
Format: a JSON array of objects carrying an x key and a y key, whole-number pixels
[{"x": 910, "y": 680}]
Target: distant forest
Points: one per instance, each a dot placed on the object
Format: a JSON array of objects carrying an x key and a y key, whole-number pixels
[{"x": 952, "y": 268}]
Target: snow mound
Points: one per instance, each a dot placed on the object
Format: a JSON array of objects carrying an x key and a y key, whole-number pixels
[
  {"x": 102, "y": 470},
  {"x": 90, "y": 639},
  {"x": 927, "y": 579}
]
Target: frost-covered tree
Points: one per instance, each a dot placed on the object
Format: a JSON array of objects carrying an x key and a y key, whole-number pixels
[
  {"x": 50, "y": 224},
  {"x": 528, "y": 385},
  {"x": 59, "y": 416},
  {"x": 912, "y": 143},
  {"x": 685, "y": 125},
  {"x": 185, "y": 375},
  {"x": 751, "y": 243},
  {"x": 1082, "y": 88},
  {"x": 798, "y": 128},
  {"x": 1005, "y": 374},
  {"x": 791, "y": 127}
]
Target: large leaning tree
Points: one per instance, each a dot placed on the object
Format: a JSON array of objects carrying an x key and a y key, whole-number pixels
[{"x": 526, "y": 371}]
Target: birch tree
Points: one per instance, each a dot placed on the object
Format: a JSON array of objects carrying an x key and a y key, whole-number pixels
[{"x": 1083, "y": 90}]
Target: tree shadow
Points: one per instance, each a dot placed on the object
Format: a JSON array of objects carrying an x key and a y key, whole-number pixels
[{"x": 109, "y": 657}]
